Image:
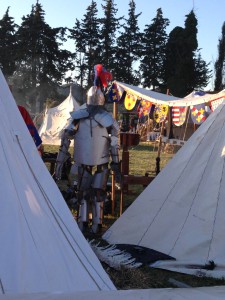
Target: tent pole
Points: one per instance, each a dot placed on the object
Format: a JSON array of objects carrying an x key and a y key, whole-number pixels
[{"x": 188, "y": 115}]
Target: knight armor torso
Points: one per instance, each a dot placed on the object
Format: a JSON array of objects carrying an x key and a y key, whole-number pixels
[{"x": 92, "y": 141}]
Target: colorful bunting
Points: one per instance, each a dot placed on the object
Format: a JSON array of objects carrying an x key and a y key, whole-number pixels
[
  {"x": 160, "y": 113},
  {"x": 179, "y": 115},
  {"x": 198, "y": 113}
]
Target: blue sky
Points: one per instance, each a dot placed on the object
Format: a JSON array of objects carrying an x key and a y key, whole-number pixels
[{"x": 210, "y": 15}]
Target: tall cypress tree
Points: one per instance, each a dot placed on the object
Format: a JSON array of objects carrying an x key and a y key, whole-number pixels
[
  {"x": 154, "y": 50},
  {"x": 183, "y": 62},
  {"x": 86, "y": 37},
  {"x": 8, "y": 44},
  {"x": 41, "y": 63},
  {"x": 219, "y": 64}
]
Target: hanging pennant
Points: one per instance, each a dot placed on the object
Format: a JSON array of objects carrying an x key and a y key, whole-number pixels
[
  {"x": 160, "y": 113},
  {"x": 215, "y": 103},
  {"x": 198, "y": 113},
  {"x": 140, "y": 111},
  {"x": 113, "y": 95},
  {"x": 146, "y": 107},
  {"x": 179, "y": 115},
  {"x": 130, "y": 102}
]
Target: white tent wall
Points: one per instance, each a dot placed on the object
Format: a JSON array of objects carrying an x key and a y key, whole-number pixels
[
  {"x": 56, "y": 119},
  {"x": 181, "y": 213},
  {"x": 42, "y": 250}
]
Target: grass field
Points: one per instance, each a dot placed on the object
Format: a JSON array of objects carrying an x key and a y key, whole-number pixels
[{"x": 142, "y": 160}]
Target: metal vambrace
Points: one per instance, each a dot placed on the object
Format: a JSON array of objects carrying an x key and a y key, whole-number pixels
[
  {"x": 63, "y": 153},
  {"x": 114, "y": 145}
]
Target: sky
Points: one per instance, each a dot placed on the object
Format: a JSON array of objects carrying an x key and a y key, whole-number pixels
[{"x": 210, "y": 15}]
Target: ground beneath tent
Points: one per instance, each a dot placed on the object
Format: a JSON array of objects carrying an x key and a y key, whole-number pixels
[{"x": 146, "y": 277}]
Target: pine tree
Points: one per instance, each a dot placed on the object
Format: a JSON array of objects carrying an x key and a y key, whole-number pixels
[
  {"x": 154, "y": 47},
  {"x": 41, "y": 64},
  {"x": 219, "y": 64},
  {"x": 109, "y": 26},
  {"x": 129, "y": 48},
  {"x": 202, "y": 74},
  {"x": 86, "y": 37},
  {"x": 8, "y": 44},
  {"x": 80, "y": 67}
]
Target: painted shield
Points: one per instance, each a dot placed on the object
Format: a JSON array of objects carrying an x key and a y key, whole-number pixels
[
  {"x": 179, "y": 115},
  {"x": 130, "y": 101},
  {"x": 198, "y": 113}
]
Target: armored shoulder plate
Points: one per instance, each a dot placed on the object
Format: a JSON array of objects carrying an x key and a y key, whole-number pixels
[
  {"x": 104, "y": 118},
  {"x": 81, "y": 113}
]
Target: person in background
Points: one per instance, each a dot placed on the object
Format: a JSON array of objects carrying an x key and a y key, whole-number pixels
[{"x": 32, "y": 129}]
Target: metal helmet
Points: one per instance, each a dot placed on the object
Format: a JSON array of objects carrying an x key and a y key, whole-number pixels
[{"x": 95, "y": 96}]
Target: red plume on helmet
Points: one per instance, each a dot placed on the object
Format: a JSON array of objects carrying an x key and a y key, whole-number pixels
[{"x": 102, "y": 76}]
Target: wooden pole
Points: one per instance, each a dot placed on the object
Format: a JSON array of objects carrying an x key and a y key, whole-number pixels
[
  {"x": 115, "y": 113},
  {"x": 157, "y": 169}
]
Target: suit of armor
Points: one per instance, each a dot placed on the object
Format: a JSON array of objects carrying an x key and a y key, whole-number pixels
[{"x": 95, "y": 134}]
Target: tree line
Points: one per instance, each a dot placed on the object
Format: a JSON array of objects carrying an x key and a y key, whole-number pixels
[{"x": 33, "y": 59}]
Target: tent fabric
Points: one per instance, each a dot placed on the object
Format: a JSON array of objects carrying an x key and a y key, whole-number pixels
[
  {"x": 159, "y": 98},
  {"x": 181, "y": 212},
  {"x": 145, "y": 94},
  {"x": 42, "y": 249},
  {"x": 201, "y": 293},
  {"x": 56, "y": 120}
]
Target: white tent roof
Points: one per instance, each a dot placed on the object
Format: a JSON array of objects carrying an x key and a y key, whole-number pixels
[
  {"x": 42, "y": 250},
  {"x": 181, "y": 213},
  {"x": 56, "y": 120},
  {"x": 201, "y": 293},
  {"x": 159, "y": 98},
  {"x": 146, "y": 94}
]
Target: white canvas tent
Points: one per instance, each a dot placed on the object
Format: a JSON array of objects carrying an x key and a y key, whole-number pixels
[
  {"x": 43, "y": 255},
  {"x": 41, "y": 250},
  {"x": 201, "y": 293},
  {"x": 181, "y": 212},
  {"x": 146, "y": 94},
  {"x": 56, "y": 120}
]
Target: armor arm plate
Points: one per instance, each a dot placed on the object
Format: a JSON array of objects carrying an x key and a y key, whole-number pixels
[{"x": 63, "y": 153}]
